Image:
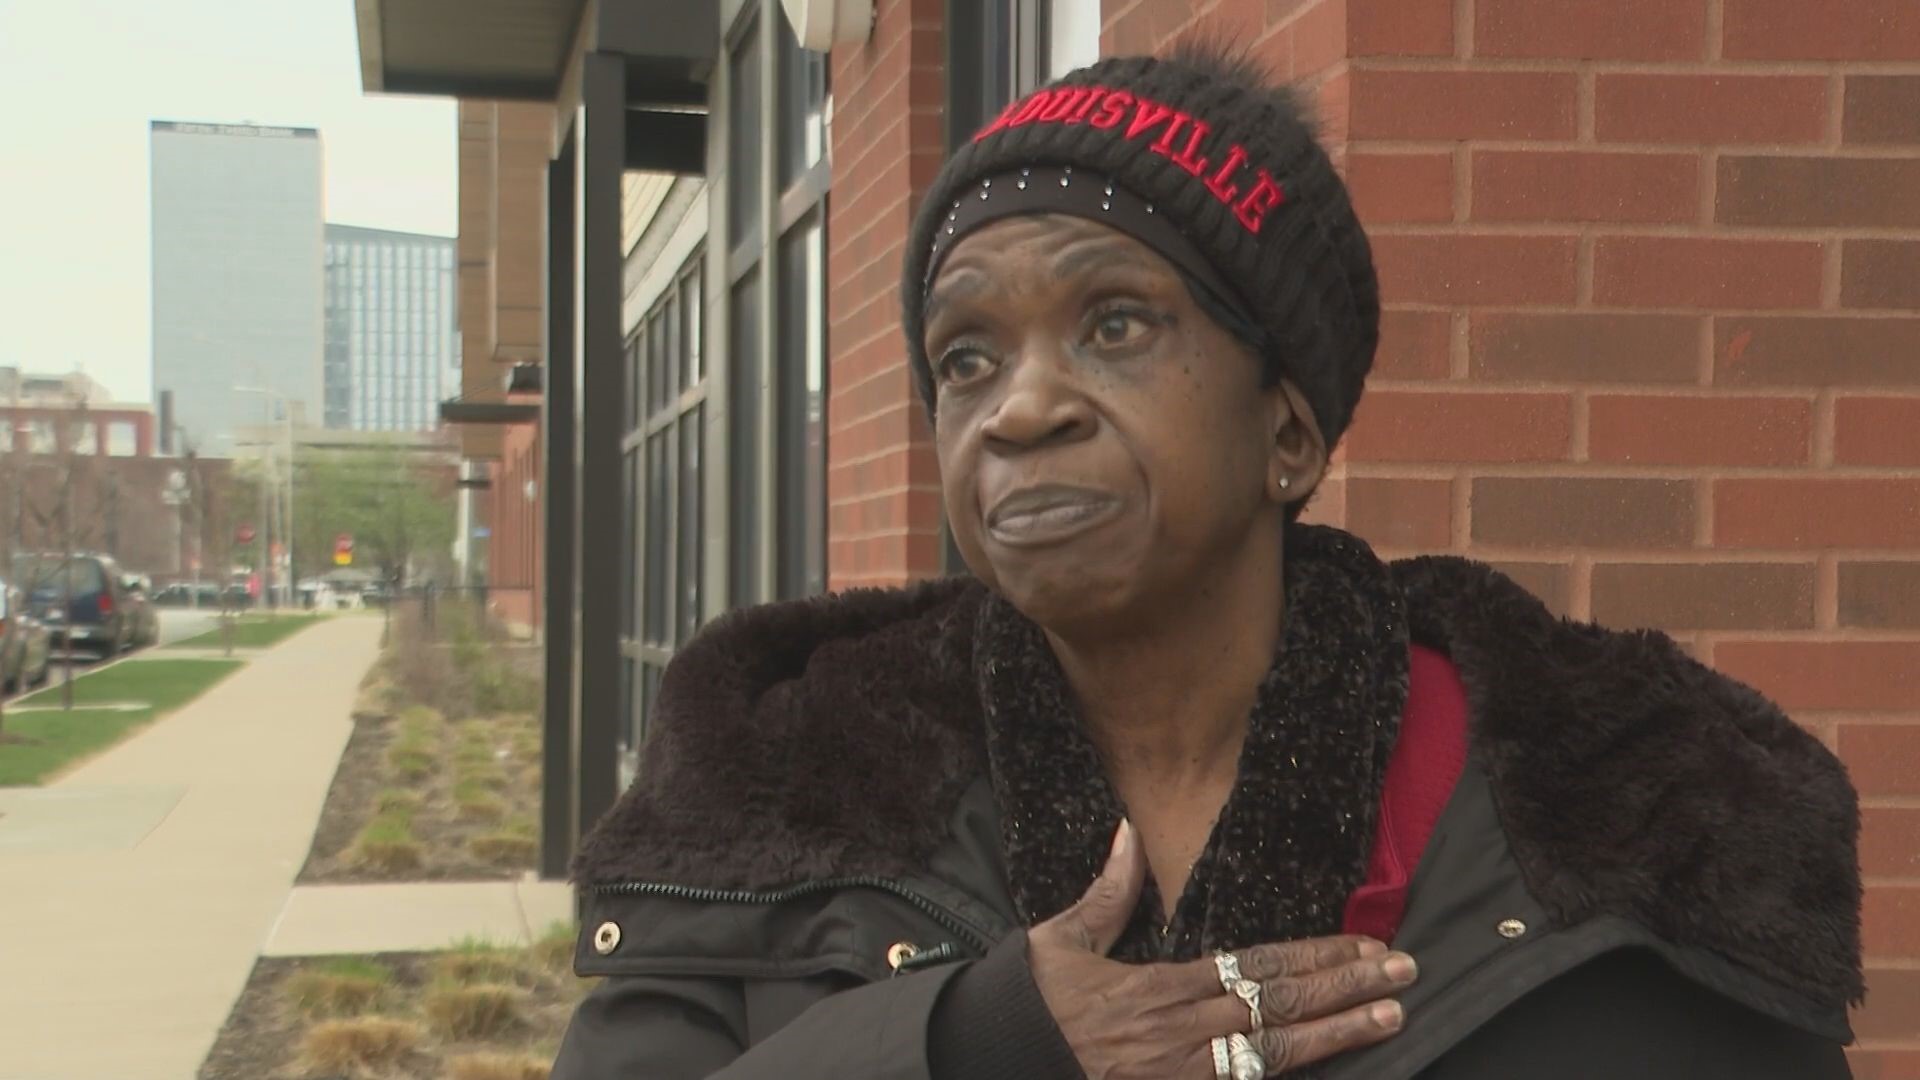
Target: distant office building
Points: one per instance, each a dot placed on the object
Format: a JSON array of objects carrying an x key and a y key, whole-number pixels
[
  {"x": 392, "y": 337},
  {"x": 237, "y": 261}
]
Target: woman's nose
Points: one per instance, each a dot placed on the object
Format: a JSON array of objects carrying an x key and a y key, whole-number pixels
[{"x": 1043, "y": 401}]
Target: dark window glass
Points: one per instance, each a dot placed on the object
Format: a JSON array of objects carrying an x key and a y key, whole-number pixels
[
  {"x": 658, "y": 358},
  {"x": 670, "y": 363},
  {"x": 693, "y": 431},
  {"x": 743, "y": 427},
  {"x": 629, "y": 582},
  {"x": 636, "y": 366},
  {"x": 631, "y": 706},
  {"x": 649, "y": 691},
  {"x": 803, "y": 92},
  {"x": 801, "y": 454},
  {"x": 659, "y": 517},
  {"x": 744, "y": 134}
]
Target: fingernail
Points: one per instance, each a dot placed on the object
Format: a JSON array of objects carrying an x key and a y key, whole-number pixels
[
  {"x": 1122, "y": 837},
  {"x": 1371, "y": 947},
  {"x": 1387, "y": 1014},
  {"x": 1400, "y": 968}
]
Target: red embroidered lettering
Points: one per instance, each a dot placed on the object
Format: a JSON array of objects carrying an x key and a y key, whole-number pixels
[
  {"x": 1112, "y": 110},
  {"x": 1253, "y": 209},
  {"x": 1164, "y": 144},
  {"x": 1000, "y": 121},
  {"x": 1219, "y": 184},
  {"x": 1146, "y": 116},
  {"x": 1189, "y": 158},
  {"x": 1063, "y": 103},
  {"x": 1093, "y": 98},
  {"x": 1036, "y": 105}
]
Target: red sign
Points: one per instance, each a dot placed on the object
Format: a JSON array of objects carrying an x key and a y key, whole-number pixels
[
  {"x": 343, "y": 544},
  {"x": 244, "y": 534}
]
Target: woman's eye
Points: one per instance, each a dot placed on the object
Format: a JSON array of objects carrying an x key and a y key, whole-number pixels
[
  {"x": 1117, "y": 328},
  {"x": 963, "y": 365}
]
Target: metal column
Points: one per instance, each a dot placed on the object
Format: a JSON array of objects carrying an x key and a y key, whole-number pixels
[
  {"x": 599, "y": 138},
  {"x": 558, "y": 428}
]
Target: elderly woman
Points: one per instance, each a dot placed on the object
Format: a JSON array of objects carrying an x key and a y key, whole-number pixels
[{"x": 1174, "y": 786}]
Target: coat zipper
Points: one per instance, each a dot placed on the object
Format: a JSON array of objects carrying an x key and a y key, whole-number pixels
[{"x": 933, "y": 909}]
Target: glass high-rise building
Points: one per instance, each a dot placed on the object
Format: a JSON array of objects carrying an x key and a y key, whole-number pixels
[
  {"x": 237, "y": 261},
  {"x": 392, "y": 338}
]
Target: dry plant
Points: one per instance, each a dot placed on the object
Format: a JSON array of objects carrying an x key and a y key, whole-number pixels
[
  {"x": 359, "y": 1045},
  {"x": 504, "y": 847},
  {"x": 478, "y": 963},
  {"x": 482, "y": 1011},
  {"x": 337, "y": 988},
  {"x": 387, "y": 843},
  {"x": 497, "y": 1067}
]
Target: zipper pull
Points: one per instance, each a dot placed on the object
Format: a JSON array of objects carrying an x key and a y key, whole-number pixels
[{"x": 905, "y": 957}]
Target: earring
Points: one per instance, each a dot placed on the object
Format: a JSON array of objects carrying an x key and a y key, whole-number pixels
[{"x": 1286, "y": 482}]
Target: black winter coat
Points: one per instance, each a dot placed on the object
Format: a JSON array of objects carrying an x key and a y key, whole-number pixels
[{"x": 1645, "y": 871}]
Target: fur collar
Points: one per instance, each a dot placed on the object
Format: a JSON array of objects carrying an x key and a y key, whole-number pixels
[
  {"x": 1302, "y": 810},
  {"x": 833, "y": 736}
]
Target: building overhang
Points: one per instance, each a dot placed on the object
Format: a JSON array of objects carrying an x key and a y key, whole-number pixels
[
  {"x": 522, "y": 49},
  {"x": 489, "y": 412}
]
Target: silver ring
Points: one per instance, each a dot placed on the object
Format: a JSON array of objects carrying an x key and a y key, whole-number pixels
[
  {"x": 1248, "y": 991},
  {"x": 1222, "y": 1059},
  {"x": 1228, "y": 966},
  {"x": 1244, "y": 1061}
]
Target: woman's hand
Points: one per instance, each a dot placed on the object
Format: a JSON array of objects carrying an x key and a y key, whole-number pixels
[{"x": 1154, "y": 1021}]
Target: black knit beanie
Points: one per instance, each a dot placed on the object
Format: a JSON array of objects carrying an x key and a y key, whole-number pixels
[{"x": 1232, "y": 164}]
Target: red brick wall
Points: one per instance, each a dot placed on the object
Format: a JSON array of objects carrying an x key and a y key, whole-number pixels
[
  {"x": 1652, "y": 342},
  {"x": 515, "y": 544},
  {"x": 883, "y": 487}
]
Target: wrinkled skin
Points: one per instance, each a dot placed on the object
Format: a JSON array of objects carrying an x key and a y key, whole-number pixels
[{"x": 1112, "y": 464}]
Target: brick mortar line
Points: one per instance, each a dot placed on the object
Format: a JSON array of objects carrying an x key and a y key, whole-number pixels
[
  {"x": 1567, "y": 65},
  {"x": 1809, "y": 149},
  {"x": 1709, "y": 354},
  {"x": 1709, "y": 185},
  {"x": 1585, "y": 95},
  {"x": 1703, "y": 519},
  {"x": 1676, "y": 391},
  {"x": 1564, "y": 469},
  {"x": 1547, "y": 229},
  {"x": 1825, "y": 427},
  {"x": 1716, "y": 30},
  {"x": 1830, "y": 275},
  {"x": 1583, "y": 263},
  {"x": 1461, "y": 495},
  {"x": 873, "y": 455}
]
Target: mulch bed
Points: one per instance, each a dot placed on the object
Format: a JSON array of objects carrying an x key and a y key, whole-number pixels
[
  {"x": 263, "y": 1036},
  {"x": 443, "y": 834}
]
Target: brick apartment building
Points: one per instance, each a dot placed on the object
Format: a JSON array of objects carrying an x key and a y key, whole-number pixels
[{"x": 1652, "y": 338}]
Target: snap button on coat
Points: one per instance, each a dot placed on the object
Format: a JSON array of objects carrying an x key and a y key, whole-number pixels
[{"x": 606, "y": 938}]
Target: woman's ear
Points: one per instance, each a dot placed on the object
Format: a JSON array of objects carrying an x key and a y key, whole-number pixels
[{"x": 1298, "y": 458}]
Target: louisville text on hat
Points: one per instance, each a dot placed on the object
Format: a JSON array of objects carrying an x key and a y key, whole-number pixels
[{"x": 1107, "y": 109}]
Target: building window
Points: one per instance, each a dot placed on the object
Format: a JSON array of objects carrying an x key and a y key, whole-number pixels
[{"x": 664, "y": 524}]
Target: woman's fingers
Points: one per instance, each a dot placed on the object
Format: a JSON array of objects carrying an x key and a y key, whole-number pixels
[
  {"x": 1096, "y": 921},
  {"x": 1291, "y": 1000},
  {"x": 1296, "y": 1045},
  {"x": 1201, "y": 978}
]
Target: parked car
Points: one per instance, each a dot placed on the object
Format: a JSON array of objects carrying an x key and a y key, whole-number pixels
[
  {"x": 95, "y": 605},
  {"x": 28, "y": 651},
  {"x": 143, "y": 622}
]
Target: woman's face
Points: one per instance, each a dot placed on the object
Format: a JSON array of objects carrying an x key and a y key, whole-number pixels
[{"x": 1105, "y": 446}]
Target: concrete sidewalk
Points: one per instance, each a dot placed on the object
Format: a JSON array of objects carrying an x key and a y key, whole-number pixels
[
  {"x": 336, "y": 920},
  {"x": 126, "y": 936}
]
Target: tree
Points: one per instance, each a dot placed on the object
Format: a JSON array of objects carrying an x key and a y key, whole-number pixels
[{"x": 401, "y": 519}]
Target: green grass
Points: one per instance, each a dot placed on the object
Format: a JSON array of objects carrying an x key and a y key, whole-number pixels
[
  {"x": 252, "y": 632},
  {"x": 54, "y": 740}
]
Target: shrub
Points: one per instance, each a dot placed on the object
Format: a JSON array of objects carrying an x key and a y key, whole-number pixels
[
  {"x": 482, "y": 1011},
  {"x": 334, "y": 988},
  {"x": 362, "y": 1043},
  {"x": 482, "y": 775},
  {"x": 387, "y": 843},
  {"x": 480, "y": 964},
  {"x": 480, "y": 807},
  {"x": 554, "y": 949},
  {"x": 504, "y": 848},
  {"x": 396, "y": 802},
  {"x": 410, "y": 764},
  {"x": 497, "y": 1067}
]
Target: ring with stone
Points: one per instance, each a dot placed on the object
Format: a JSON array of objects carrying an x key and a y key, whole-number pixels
[
  {"x": 1228, "y": 966},
  {"x": 1243, "y": 1060}
]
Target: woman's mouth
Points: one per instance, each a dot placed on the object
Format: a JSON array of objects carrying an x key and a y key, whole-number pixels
[{"x": 1048, "y": 514}]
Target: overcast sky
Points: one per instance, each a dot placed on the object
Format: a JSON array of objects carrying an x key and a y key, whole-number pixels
[{"x": 80, "y": 79}]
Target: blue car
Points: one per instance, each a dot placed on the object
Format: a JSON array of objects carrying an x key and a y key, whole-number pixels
[{"x": 82, "y": 600}]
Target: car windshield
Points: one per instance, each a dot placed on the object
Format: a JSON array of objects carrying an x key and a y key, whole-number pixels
[{"x": 50, "y": 575}]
